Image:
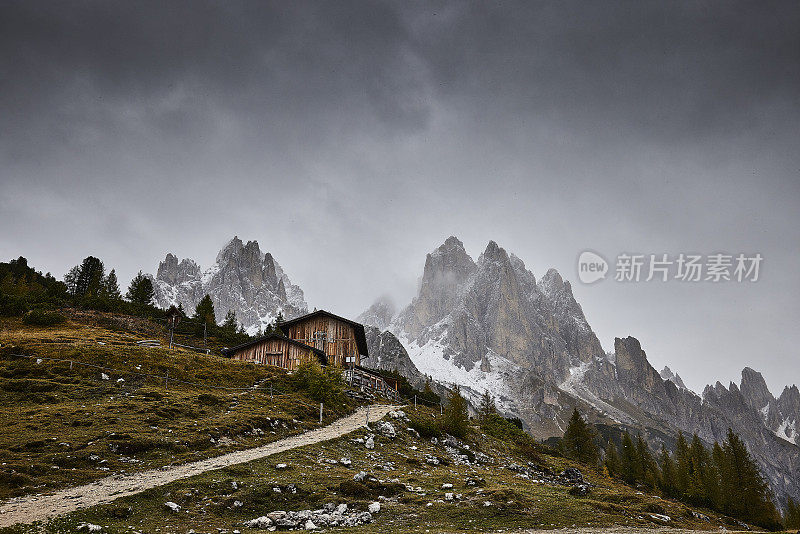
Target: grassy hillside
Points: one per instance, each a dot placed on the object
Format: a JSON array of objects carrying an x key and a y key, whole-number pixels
[
  {"x": 496, "y": 486},
  {"x": 66, "y": 424}
]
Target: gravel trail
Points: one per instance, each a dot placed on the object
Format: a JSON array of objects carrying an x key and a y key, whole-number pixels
[{"x": 30, "y": 508}]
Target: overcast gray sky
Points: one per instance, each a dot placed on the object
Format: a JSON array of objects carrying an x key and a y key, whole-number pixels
[{"x": 351, "y": 138}]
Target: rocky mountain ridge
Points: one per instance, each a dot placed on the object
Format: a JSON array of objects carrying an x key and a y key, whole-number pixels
[
  {"x": 489, "y": 324},
  {"x": 242, "y": 279}
]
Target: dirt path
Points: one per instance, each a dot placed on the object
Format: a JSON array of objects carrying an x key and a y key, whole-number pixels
[{"x": 38, "y": 507}]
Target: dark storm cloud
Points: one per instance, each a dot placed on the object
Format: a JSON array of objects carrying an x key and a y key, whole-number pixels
[
  {"x": 67, "y": 66},
  {"x": 365, "y": 133},
  {"x": 676, "y": 70}
]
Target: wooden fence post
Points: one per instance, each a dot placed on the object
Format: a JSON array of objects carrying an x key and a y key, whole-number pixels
[{"x": 320, "y": 413}]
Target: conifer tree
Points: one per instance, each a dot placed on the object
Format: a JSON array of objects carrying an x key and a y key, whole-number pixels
[
  {"x": 682, "y": 465},
  {"x": 487, "y": 406},
  {"x": 230, "y": 323},
  {"x": 110, "y": 290},
  {"x": 204, "y": 311},
  {"x": 141, "y": 291},
  {"x": 669, "y": 483},
  {"x": 792, "y": 516},
  {"x": 696, "y": 491},
  {"x": 647, "y": 470},
  {"x": 456, "y": 417},
  {"x": 612, "y": 461},
  {"x": 628, "y": 459},
  {"x": 718, "y": 462},
  {"x": 749, "y": 498},
  {"x": 578, "y": 442},
  {"x": 71, "y": 280},
  {"x": 90, "y": 277}
]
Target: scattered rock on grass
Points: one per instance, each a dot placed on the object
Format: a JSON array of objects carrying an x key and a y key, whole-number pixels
[
  {"x": 328, "y": 516},
  {"x": 572, "y": 474},
  {"x": 579, "y": 490},
  {"x": 702, "y": 517},
  {"x": 386, "y": 428},
  {"x": 175, "y": 507}
]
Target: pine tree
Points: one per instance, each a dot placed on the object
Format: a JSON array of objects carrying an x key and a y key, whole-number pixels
[
  {"x": 629, "y": 463},
  {"x": 71, "y": 280},
  {"x": 612, "y": 461},
  {"x": 141, "y": 291},
  {"x": 456, "y": 417},
  {"x": 718, "y": 461},
  {"x": 110, "y": 289},
  {"x": 749, "y": 498},
  {"x": 86, "y": 279},
  {"x": 578, "y": 442},
  {"x": 204, "y": 312},
  {"x": 792, "y": 516},
  {"x": 669, "y": 483},
  {"x": 647, "y": 471},
  {"x": 487, "y": 406},
  {"x": 682, "y": 465},
  {"x": 90, "y": 277},
  {"x": 696, "y": 491},
  {"x": 230, "y": 323}
]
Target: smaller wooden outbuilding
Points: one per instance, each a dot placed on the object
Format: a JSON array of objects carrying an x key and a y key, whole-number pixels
[{"x": 277, "y": 350}]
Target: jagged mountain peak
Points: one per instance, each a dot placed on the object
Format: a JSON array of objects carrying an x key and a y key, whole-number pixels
[
  {"x": 633, "y": 366},
  {"x": 667, "y": 374},
  {"x": 493, "y": 250},
  {"x": 231, "y": 248},
  {"x": 242, "y": 279},
  {"x": 552, "y": 284},
  {"x": 790, "y": 392},
  {"x": 451, "y": 245},
  {"x": 754, "y": 389},
  {"x": 380, "y": 313},
  {"x": 175, "y": 272},
  {"x": 449, "y": 260}
]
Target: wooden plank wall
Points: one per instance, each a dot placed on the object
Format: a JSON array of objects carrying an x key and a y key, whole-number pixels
[
  {"x": 341, "y": 340},
  {"x": 277, "y": 352}
]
